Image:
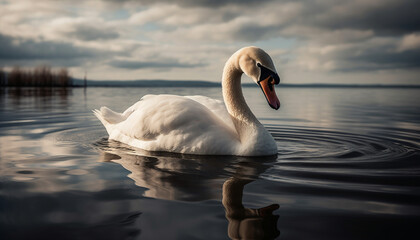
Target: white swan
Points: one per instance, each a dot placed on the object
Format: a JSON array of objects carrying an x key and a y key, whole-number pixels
[{"x": 198, "y": 124}]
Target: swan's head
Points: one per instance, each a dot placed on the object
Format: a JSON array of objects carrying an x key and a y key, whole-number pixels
[{"x": 257, "y": 64}]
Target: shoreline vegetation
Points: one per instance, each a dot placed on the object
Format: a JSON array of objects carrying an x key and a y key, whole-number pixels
[
  {"x": 41, "y": 76},
  {"x": 45, "y": 77}
]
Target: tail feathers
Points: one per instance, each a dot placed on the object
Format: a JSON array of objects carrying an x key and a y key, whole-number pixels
[
  {"x": 111, "y": 116},
  {"x": 108, "y": 117}
]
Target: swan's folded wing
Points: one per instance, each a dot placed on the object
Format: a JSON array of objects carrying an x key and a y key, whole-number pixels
[
  {"x": 215, "y": 106},
  {"x": 136, "y": 106},
  {"x": 176, "y": 124}
]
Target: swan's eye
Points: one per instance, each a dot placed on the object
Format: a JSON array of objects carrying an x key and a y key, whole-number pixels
[{"x": 267, "y": 73}]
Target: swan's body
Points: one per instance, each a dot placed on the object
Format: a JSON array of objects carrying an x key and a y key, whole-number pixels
[{"x": 197, "y": 124}]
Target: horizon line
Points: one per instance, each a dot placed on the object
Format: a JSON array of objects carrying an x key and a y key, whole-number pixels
[{"x": 204, "y": 83}]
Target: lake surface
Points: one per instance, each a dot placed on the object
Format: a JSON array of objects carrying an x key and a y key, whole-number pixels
[{"x": 348, "y": 167}]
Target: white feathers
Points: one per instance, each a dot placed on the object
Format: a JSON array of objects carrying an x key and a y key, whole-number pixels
[{"x": 173, "y": 124}]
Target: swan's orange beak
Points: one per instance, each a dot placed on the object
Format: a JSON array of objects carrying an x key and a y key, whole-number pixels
[{"x": 267, "y": 86}]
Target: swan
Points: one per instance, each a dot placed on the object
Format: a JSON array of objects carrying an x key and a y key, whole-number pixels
[{"x": 198, "y": 124}]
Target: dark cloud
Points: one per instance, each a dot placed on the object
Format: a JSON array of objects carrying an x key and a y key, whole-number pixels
[
  {"x": 24, "y": 49},
  {"x": 378, "y": 59},
  {"x": 371, "y": 56},
  {"x": 194, "y": 3},
  {"x": 155, "y": 64},
  {"x": 388, "y": 17},
  {"x": 89, "y": 33},
  {"x": 215, "y": 3}
]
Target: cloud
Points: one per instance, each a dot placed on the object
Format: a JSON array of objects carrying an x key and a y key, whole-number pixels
[
  {"x": 410, "y": 42},
  {"x": 330, "y": 36},
  {"x": 380, "y": 53},
  {"x": 192, "y": 3},
  {"x": 22, "y": 51},
  {"x": 90, "y": 33},
  {"x": 165, "y": 64},
  {"x": 347, "y": 30},
  {"x": 177, "y": 16},
  {"x": 18, "y": 48},
  {"x": 385, "y": 17}
]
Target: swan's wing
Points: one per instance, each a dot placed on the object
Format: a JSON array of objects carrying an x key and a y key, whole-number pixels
[
  {"x": 176, "y": 124},
  {"x": 135, "y": 106},
  {"x": 216, "y": 106}
]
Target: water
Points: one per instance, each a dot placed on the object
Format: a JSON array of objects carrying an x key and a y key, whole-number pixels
[{"x": 348, "y": 167}]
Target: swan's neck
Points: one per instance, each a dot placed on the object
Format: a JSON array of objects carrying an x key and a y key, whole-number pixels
[{"x": 243, "y": 119}]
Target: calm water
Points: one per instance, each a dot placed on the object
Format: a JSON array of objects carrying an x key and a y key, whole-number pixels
[{"x": 348, "y": 167}]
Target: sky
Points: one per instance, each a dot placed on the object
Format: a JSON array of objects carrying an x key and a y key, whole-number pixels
[{"x": 310, "y": 41}]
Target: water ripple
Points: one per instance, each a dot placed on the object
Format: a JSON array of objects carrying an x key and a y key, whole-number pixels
[{"x": 338, "y": 163}]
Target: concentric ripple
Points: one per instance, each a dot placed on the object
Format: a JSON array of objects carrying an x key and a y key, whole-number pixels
[
  {"x": 340, "y": 163},
  {"x": 296, "y": 143}
]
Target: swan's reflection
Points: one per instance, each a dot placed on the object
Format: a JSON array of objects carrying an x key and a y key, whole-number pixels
[
  {"x": 247, "y": 223},
  {"x": 197, "y": 178}
]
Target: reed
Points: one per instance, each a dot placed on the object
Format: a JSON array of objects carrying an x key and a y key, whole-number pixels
[{"x": 41, "y": 76}]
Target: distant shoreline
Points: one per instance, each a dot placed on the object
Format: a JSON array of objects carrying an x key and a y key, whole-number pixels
[
  {"x": 256, "y": 86},
  {"x": 184, "y": 83},
  {"x": 78, "y": 83}
]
